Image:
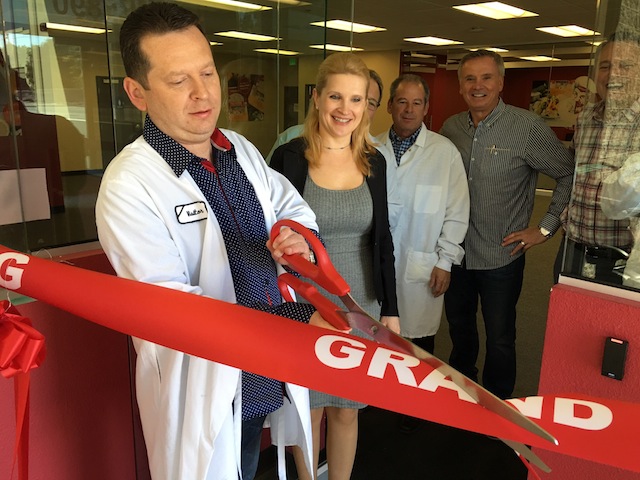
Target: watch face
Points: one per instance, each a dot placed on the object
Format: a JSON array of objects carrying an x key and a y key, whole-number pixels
[{"x": 545, "y": 232}]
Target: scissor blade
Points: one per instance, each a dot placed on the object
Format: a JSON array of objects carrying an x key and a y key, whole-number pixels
[
  {"x": 381, "y": 334},
  {"x": 527, "y": 453}
]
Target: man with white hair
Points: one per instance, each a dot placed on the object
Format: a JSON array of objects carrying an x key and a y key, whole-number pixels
[{"x": 503, "y": 149}]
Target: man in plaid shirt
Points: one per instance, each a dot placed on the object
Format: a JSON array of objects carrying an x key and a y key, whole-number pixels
[{"x": 607, "y": 133}]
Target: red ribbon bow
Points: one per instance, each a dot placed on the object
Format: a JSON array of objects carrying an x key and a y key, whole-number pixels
[
  {"x": 21, "y": 345},
  {"x": 21, "y": 349}
]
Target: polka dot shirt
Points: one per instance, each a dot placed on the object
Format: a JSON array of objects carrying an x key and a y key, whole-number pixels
[{"x": 233, "y": 201}]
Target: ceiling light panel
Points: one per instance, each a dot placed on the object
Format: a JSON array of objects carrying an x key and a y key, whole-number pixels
[
  {"x": 275, "y": 51},
  {"x": 490, "y": 49},
  {"x": 70, "y": 28},
  {"x": 495, "y": 10},
  {"x": 433, "y": 41},
  {"x": 568, "y": 31},
  {"x": 247, "y": 36},
  {"x": 336, "y": 48},
  {"x": 540, "y": 58},
  {"x": 236, "y": 6},
  {"x": 348, "y": 26}
]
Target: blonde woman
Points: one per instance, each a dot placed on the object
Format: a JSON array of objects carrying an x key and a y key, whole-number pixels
[{"x": 342, "y": 177}]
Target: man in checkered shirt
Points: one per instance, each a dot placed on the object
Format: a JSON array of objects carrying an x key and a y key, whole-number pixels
[{"x": 607, "y": 133}]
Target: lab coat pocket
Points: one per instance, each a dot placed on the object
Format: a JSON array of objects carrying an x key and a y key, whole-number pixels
[
  {"x": 427, "y": 198},
  {"x": 419, "y": 266}
]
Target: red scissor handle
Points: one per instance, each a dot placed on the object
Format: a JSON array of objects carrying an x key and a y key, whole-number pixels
[
  {"x": 329, "y": 311},
  {"x": 323, "y": 272}
]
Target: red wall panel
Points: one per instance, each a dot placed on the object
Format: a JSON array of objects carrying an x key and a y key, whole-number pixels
[
  {"x": 81, "y": 409},
  {"x": 579, "y": 321}
]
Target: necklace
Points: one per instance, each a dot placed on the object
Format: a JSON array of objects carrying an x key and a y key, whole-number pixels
[{"x": 338, "y": 148}]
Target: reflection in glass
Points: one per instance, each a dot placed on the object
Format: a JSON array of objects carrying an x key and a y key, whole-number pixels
[
  {"x": 65, "y": 114},
  {"x": 48, "y": 155},
  {"x": 601, "y": 221}
]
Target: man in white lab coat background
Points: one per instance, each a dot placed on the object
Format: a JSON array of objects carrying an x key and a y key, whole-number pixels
[{"x": 428, "y": 209}]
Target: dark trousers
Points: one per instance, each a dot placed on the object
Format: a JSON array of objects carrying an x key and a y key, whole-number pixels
[
  {"x": 250, "y": 448},
  {"x": 498, "y": 291},
  {"x": 426, "y": 343}
]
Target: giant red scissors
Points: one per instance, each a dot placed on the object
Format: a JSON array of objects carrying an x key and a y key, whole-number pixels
[{"x": 324, "y": 274}]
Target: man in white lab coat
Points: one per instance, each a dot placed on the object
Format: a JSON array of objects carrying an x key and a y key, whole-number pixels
[
  {"x": 428, "y": 209},
  {"x": 189, "y": 206}
]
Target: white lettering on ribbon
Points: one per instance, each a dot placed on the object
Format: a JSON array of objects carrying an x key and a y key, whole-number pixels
[
  {"x": 12, "y": 277},
  {"x": 400, "y": 362},
  {"x": 564, "y": 414},
  {"x": 351, "y": 358},
  {"x": 350, "y": 353},
  {"x": 436, "y": 379},
  {"x": 529, "y": 406}
]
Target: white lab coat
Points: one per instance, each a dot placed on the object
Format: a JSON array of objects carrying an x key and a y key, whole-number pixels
[
  {"x": 429, "y": 216},
  {"x": 190, "y": 407},
  {"x": 620, "y": 198}
]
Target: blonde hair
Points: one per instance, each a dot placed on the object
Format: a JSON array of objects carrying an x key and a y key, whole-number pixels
[{"x": 339, "y": 63}]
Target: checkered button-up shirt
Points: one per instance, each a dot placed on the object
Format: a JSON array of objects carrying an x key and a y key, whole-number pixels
[
  {"x": 401, "y": 145},
  {"x": 604, "y": 139}
]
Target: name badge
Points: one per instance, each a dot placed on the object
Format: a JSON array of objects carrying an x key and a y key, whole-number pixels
[{"x": 192, "y": 212}]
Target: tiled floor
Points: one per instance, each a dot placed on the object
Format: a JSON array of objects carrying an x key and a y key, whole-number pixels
[{"x": 433, "y": 452}]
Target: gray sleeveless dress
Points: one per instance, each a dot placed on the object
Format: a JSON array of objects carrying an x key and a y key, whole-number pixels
[{"x": 345, "y": 219}]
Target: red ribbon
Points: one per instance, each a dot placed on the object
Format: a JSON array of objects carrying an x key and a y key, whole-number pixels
[
  {"x": 600, "y": 430},
  {"x": 21, "y": 349}
]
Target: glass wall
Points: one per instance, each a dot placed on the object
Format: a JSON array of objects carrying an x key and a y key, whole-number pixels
[
  {"x": 601, "y": 221},
  {"x": 65, "y": 114},
  {"x": 49, "y": 137}
]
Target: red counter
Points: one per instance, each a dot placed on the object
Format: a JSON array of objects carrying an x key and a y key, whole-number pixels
[{"x": 578, "y": 323}]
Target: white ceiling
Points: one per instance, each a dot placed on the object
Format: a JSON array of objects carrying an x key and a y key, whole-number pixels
[
  {"x": 415, "y": 18},
  {"x": 402, "y": 18}
]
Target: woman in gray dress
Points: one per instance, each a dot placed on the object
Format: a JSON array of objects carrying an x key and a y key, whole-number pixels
[{"x": 343, "y": 178}]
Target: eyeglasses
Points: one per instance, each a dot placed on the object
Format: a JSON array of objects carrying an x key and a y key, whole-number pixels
[{"x": 372, "y": 104}]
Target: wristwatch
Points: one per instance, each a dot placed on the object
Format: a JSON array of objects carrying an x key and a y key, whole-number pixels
[
  {"x": 546, "y": 232},
  {"x": 312, "y": 257}
]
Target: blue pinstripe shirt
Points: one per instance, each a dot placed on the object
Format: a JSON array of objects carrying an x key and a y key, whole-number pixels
[{"x": 502, "y": 157}]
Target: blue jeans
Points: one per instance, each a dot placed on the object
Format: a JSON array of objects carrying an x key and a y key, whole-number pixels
[
  {"x": 250, "y": 448},
  {"x": 498, "y": 291}
]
